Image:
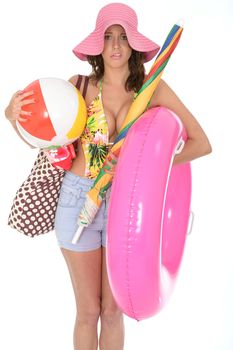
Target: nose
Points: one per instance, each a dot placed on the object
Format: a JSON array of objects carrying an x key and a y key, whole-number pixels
[{"x": 116, "y": 43}]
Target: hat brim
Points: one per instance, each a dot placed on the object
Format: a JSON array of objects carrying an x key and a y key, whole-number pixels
[{"x": 93, "y": 45}]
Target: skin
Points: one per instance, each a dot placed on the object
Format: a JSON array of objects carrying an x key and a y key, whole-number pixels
[{"x": 88, "y": 272}]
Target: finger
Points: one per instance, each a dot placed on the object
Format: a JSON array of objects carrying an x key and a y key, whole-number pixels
[
  {"x": 113, "y": 155},
  {"x": 17, "y": 96},
  {"x": 111, "y": 162},
  {"x": 17, "y": 93},
  {"x": 22, "y": 112},
  {"x": 24, "y": 95},
  {"x": 110, "y": 167},
  {"x": 108, "y": 162},
  {"x": 27, "y": 102},
  {"x": 18, "y": 111},
  {"x": 109, "y": 172},
  {"x": 20, "y": 119}
]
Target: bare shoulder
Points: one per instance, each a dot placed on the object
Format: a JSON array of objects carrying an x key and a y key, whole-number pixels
[
  {"x": 80, "y": 80},
  {"x": 166, "y": 97},
  {"x": 73, "y": 79},
  {"x": 92, "y": 87}
]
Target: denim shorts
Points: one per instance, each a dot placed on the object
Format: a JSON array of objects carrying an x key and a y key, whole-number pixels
[{"x": 71, "y": 200}]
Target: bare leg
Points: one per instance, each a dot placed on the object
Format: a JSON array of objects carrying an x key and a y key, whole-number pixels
[
  {"x": 112, "y": 323},
  {"x": 85, "y": 272}
]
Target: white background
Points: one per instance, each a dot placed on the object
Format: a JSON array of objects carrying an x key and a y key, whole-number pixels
[{"x": 37, "y": 307}]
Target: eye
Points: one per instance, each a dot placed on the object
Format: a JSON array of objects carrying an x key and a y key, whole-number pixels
[
  {"x": 124, "y": 37},
  {"x": 107, "y": 36}
]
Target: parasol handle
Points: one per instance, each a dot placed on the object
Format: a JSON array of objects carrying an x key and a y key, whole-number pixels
[{"x": 77, "y": 234}]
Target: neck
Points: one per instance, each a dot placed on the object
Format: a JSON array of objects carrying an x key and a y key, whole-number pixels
[{"x": 115, "y": 77}]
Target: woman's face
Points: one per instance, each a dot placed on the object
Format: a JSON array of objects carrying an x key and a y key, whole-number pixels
[{"x": 116, "y": 51}]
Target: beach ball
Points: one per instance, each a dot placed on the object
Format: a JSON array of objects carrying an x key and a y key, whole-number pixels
[{"x": 58, "y": 113}]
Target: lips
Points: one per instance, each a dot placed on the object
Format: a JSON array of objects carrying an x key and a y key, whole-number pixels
[{"x": 116, "y": 55}]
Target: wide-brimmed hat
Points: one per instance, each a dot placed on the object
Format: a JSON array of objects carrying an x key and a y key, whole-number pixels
[{"x": 116, "y": 13}]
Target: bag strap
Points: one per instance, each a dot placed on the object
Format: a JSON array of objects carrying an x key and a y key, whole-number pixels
[
  {"x": 79, "y": 82},
  {"x": 85, "y": 86}
]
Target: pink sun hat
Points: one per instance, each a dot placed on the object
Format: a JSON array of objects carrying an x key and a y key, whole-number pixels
[{"x": 116, "y": 13}]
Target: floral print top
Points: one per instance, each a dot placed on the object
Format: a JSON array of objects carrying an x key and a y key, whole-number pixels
[{"x": 95, "y": 137}]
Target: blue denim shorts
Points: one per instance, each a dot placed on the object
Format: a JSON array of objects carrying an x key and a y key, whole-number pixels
[{"x": 70, "y": 203}]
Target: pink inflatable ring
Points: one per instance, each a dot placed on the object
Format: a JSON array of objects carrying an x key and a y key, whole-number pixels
[{"x": 148, "y": 215}]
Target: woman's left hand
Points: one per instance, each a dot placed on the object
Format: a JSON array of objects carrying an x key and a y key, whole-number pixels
[{"x": 111, "y": 163}]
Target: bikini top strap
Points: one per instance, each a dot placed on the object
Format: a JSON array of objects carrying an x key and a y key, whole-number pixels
[{"x": 101, "y": 86}]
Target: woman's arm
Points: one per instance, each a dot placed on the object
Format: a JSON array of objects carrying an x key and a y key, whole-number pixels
[
  {"x": 15, "y": 112},
  {"x": 197, "y": 144}
]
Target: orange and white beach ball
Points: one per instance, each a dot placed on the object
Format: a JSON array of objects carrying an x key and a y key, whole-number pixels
[{"x": 58, "y": 114}]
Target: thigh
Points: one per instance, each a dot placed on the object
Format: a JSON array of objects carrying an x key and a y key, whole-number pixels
[
  {"x": 85, "y": 273},
  {"x": 109, "y": 305}
]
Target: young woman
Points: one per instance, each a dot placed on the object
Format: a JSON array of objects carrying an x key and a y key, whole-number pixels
[{"x": 116, "y": 52}]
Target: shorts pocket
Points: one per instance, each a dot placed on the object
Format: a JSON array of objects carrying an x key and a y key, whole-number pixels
[{"x": 69, "y": 197}]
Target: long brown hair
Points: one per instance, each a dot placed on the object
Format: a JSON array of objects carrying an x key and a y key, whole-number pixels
[{"x": 136, "y": 68}]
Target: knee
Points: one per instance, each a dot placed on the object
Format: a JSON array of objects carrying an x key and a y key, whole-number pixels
[
  {"x": 111, "y": 315},
  {"x": 89, "y": 316}
]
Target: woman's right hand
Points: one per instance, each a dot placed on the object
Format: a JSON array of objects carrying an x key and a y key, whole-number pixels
[{"x": 15, "y": 109}]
